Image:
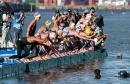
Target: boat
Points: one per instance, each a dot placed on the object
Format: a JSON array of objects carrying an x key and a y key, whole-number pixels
[{"x": 15, "y": 69}]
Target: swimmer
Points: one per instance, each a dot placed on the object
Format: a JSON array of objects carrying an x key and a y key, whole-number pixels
[
  {"x": 123, "y": 74},
  {"x": 32, "y": 26},
  {"x": 44, "y": 28},
  {"x": 97, "y": 73}
]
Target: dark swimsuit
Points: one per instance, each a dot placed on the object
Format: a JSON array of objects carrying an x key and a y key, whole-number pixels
[{"x": 22, "y": 45}]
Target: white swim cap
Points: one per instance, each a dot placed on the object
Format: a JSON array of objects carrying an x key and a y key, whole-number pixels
[
  {"x": 48, "y": 22},
  {"x": 37, "y": 14}
]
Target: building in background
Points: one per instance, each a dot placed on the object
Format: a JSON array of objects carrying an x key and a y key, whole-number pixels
[
  {"x": 60, "y": 2},
  {"x": 128, "y": 2},
  {"x": 30, "y": 1},
  {"x": 112, "y": 2},
  {"x": 7, "y": 0},
  {"x": 81, "y": 2},
  {"x": 68, "y": 2},
  {"x": 50, "y": 2},
  {"x": 13, "y": 1},
  {"x": 57, "y": 2}
]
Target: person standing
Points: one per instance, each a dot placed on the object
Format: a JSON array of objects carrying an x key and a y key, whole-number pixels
[
  {"x": 22, "y": 17},
  {"x": 32, "y": 26},
  {"x": 17, "y": 28},
  {"x": 6, "y": 25}
]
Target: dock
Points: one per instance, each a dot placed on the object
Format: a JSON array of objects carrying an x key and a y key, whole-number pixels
[{"x": 19, "y": 69}]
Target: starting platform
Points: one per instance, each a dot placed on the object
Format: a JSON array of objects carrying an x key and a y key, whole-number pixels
[
  {"x": 7, "y": 52},
  {"x": 19, "y": 69}
]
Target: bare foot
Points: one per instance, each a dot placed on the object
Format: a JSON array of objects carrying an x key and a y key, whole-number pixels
[
  {"x": 91, "y": 48},
  {"x": 102, "y": 44},
  {"x": 43, "y": 57}
]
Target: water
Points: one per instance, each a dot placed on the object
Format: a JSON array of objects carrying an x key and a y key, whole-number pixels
[{"x": 118, "y": 30}]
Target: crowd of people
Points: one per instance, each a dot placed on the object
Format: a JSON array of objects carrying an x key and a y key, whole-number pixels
[
  {"x": 71, "y": 33},
  {"x": 9, "y": 21}
]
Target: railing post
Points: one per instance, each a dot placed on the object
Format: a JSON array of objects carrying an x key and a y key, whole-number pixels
[{"x": 27, "y": 70}]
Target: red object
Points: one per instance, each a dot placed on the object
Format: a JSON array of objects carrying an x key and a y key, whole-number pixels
[
  {"x": 7, "y": 0},
  {"x": 46, "y": 2}
]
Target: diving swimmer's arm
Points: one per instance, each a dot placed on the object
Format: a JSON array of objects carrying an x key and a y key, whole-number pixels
[
  {"x": 84, "y": 35},
  {"x": 77, "y": 35},
  {"x": 40, "y": 41},
  {"x": 29, "y": 27}
]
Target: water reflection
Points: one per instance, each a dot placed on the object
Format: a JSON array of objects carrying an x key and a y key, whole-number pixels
[
  {"x": 53, "y": 75},
  {"x": 43, "y": 78}
]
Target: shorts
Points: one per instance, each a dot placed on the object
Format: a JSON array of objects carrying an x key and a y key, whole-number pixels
[{"x": 17, "y": 34}]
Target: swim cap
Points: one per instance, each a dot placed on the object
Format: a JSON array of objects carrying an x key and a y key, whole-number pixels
[
  {"x": 92, "y": 10},
  {"x": 64, "y": 13},
  {"x": 86, "y": 11},
  {"x": 69, "y": 10},
  {"x": 37, "y": 14},
  {"x": 123, "y": 74},
  {"x": 48, "y": 22},
  {"x": 88, "y": 32},
  {"x": 57, "y": 11}
]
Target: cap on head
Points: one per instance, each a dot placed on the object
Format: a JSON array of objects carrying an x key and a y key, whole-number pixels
[
  {"x": 92, "y": 10},
  {"x": 123, "y": 74},
  {"x": 69, "y": 10},
  {"x": 86, "y": 11},
  {"x": 64, "y": 13},
  {"x": 37, "y": 15},
  {"x": 97, "y": 73},
  {"x": 48, "y": 23},
  {"x": 22, "y": 11},
  {"x": 57, "y": 11}
]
